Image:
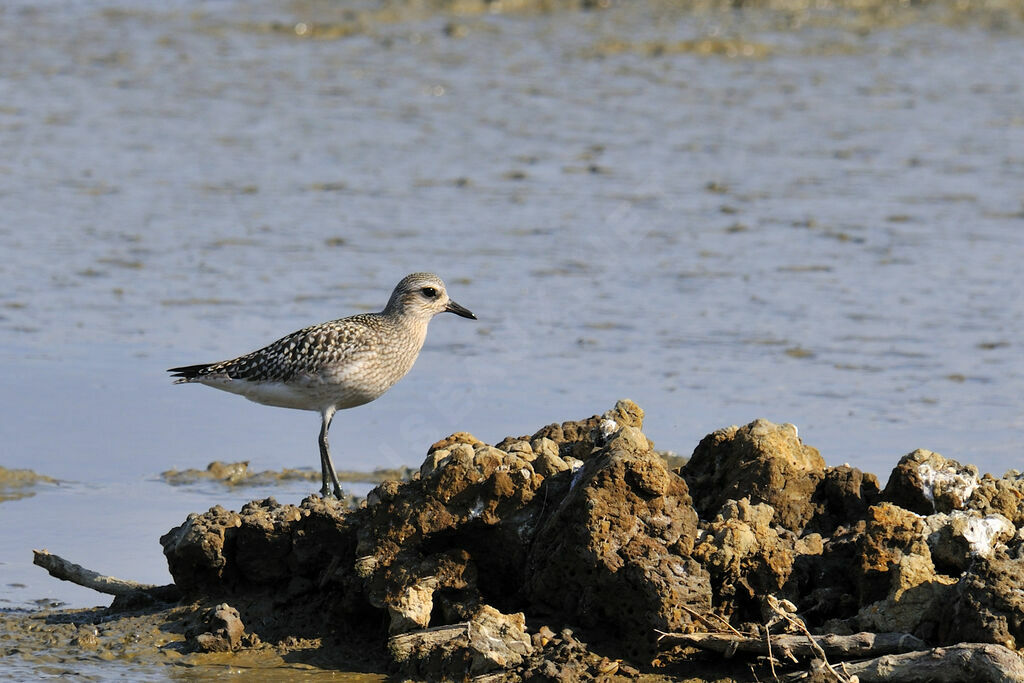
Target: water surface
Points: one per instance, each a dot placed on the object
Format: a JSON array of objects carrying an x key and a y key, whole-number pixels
[{"x": 819, "y": 224}]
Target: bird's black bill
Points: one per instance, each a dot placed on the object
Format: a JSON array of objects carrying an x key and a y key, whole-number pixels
[{"x": 453, "y": 307}]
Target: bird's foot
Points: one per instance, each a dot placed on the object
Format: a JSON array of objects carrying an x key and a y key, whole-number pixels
[{"x": 326, "y": 493}]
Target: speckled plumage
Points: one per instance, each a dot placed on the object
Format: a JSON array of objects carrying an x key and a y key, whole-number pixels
[{"x": 337, "y": 364}]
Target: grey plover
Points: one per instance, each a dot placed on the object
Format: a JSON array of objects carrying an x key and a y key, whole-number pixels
[{"x": 337, "y": 364}]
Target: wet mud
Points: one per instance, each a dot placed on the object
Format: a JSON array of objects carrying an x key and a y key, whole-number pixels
[
  {"x": 568, "y": 552},
  {"x": 239, "y": 474},
  {"x": 20, "y": 483}
]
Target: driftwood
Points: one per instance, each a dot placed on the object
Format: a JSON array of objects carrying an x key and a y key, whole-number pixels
[
  {"x": 785, "y": 611},
  {"x": 405, "y": 645},
  {"x": 894, "y": 657},
  {"x": 963, "y": 662},
  {"x": 886, "y": 657},
  {"x": 858, "y": 645},
  {"x": 64, "y": 570}
]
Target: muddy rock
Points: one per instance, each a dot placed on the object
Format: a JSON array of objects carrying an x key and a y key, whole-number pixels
[
  {"x": 195, "y": 550},
  {"x": 564, "y": 657},
  {"x": 408, "y": 589},
  {"x": 489, "y": 641},
  {"x": 925, "y": 482},
  {"x": 225, "y": 630},
  {"x": 746, "y": 556},
  {"x": 824, "y": 583},
  {"x": 431, "y": 552},
  {"x": 578, "y": 439},
  {"x": 583, "y": 525},
  {"x": 263, "y": 541},
  {"x": 456, "y": 438},
  {"x": 322, "y": 536},
  {"x": 230, "y": 473},
  {"x": 987, "y": 605},
  {"x": 1003, "y": 496},
  {"x": 891, "y": 533},
  {"x": 844, "y": 494},
  {"x": 955, "y": 539},
  {"x": 466, "y": 517},
  {"x": 265, "y": 545},
  {"x": 548, "y": 464},
  {"x": 615, "y": 552},
  {"x": 763, "y": 462},
  {"x": 913, "y": 605}
]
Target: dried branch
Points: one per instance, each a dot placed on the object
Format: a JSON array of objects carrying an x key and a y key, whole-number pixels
[
  {"x": 963, "y": 662},
  {"x": 64, "y": 570},
  {"x": 704, "y": 620},
  {"x": 856, "y": 646},
  {"x": 771, "y": 657},
  {"x": 798, "y": 623}
]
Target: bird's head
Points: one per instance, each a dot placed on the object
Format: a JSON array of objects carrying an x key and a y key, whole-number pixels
[{"x": 423, "y": 295}]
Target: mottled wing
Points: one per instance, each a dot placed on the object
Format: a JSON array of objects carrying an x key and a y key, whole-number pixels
[{"x": 305, "y": 352}]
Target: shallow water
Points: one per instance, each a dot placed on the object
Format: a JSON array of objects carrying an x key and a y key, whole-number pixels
[{"x": 828, "y": 235}]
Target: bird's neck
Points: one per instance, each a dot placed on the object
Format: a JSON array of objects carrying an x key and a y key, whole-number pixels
[{"x": 415, "y": 327}]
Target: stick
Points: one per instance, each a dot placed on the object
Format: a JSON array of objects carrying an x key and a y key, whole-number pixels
[
  {"x": 64, "y": 570},
  {"x": 963, "y": 662},
  {"x": 771, "y": 658},
  {"x": 704, "y": 620},
  {"x": 819, "y": 653},
  {"x": 856, "y": 646}
]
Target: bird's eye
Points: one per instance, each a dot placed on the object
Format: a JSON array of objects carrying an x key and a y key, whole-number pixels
[{"x": 429, "y": 292}]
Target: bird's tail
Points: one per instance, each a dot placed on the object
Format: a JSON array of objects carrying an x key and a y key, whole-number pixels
[{"x": 187, "y": 373}]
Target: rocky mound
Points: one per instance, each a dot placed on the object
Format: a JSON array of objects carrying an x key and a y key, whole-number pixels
[{"x": 508, "y": 558}]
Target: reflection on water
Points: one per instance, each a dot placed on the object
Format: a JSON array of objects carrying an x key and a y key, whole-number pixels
[{"x": 722, "y": 216}]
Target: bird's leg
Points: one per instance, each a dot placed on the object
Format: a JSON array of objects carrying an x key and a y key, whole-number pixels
[{"x": 326, "y": 466}]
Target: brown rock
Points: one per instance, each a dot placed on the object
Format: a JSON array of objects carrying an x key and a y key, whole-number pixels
[
  {"x": 548, "y": 464},
  {"x": 891, "y": 533},
  {"x": 225, "y": 630},
  {"x": 746, "y": 556},
  {"x": 842, "y": 497},
  {"x": 1003, "y": 496},
  {"x": 824, "y": 581},
  {"x": 195, "y": 550},
  {"x": 956, "y": 539},
  {"x": 987, "y": 604},
  {"x": 914, "y": 603},
  {"x": 263, "y": 545},
  {"x": 577, "y": 439},
  {"x": 481, "y": 500},
  {"x": 584, "y": 524},
  {"x": 763, "y": 462},
  {"x": 267, "y": 544},
  {"x": 407, "y": 586},
  {"x": 457, "y": 437},
  {"x": 614, "y": 554},
  {"x": 925, "y": 482}
]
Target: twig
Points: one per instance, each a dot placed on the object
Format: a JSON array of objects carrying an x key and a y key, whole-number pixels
[
  {"x": 64, "y": 570},
  {"x": 773, "y": 603},
  {"x": 329, "y": 572},
  {"x": 707, "y": 623},
  {"x": 771, "y": 657},
  {"x": 792, "y": 645}
]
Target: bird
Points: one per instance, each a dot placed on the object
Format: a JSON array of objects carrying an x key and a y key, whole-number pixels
[{"x": 335, "y": 365}]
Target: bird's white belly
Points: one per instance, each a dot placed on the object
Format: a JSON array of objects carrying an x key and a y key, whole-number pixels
[{"x": 308, "y": 393}]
